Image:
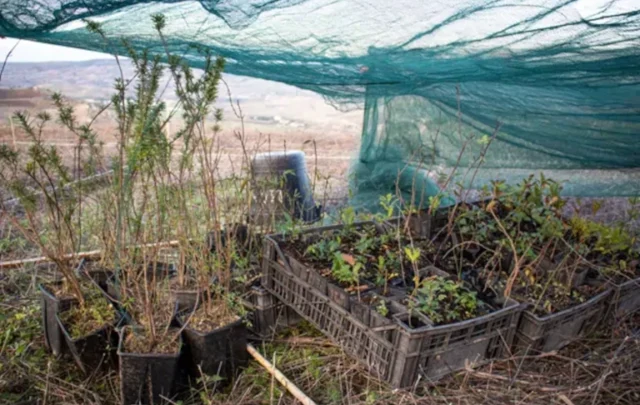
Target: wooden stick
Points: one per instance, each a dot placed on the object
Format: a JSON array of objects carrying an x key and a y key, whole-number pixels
[
  {"x": 295, "y": 391},
  {"x": 80, "y": 255}
]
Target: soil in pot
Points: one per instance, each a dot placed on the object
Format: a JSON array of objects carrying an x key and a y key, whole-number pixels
[
  {"x": 415, "y": 320},
  {"x": 90, "y": 336},
  {"x": 147, "y": 370},
  {"x": 341, "y": 291},
  {"x": 553, "y": 297},
  {"x": 215, "y": 343}
]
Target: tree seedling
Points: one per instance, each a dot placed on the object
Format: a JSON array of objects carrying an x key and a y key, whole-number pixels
[{"x": 444, "y": 301}]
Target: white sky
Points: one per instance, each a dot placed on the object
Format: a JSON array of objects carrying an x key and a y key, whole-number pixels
[
  {"x": 327, "y": 22},
  {"x": 28, "y": 51}
]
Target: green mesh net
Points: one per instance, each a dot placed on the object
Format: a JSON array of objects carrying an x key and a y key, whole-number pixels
[{"x": 552, "y": 85}]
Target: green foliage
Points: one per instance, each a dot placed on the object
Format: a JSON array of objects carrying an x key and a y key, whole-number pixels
[
  {"x": 21, "y": 332},
  {"x": 348, "y": 218},
  {"x": 388, "y": 204},
  {"x": 444, "y": 300},
  {"x": 381, "y": 308},
  {"x": 605, "y": 239},
  {"x": 81, "y": 321},
  {"x": 324, "y": 249},
  {"x": 530, "y": 213},
  {"x": 526, "y": 217},
  {"x": 290, "y": 227},
  {"x": 412, "y": 253},
  {"x": 371, "y": 398},
  {"x": 554, "y": 296},
  {"x": 10, "y": 244},
  {"x": 344, "y": 272},
  {"x": 45, "y": 188},
  {"x": 367, "y": 243},
  {"x": 334, "y": 393},
  {"x": 234, "y": 302},
  {"x": 434, "y": 202}
]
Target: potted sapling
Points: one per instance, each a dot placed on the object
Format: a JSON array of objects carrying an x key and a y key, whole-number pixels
[
  {"x": 214, "y": 332},
  {"x": 546, "y": 268},
  {"x": 214, "y": 328},
  {"x": 346, "y": 270},
  {"x": 48, "y": 214},
  {"x": 611, "y": 249},
  {"x": 149, "y": 348},
  {"x": 212, "y": 325}
]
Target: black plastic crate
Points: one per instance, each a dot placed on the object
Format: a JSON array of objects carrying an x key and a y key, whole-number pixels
[
  {"x": 553, "y": 332},
  {"x": 388, "y": 348},
  {"x": 267, "y": 314},
  {"x": 625, "y": 298},
  {"x": 366, "y": 344},
  {"x": 432, "y": 352}
]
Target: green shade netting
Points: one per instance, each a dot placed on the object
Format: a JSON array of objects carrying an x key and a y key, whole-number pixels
[{"x": 555, "y": 84}]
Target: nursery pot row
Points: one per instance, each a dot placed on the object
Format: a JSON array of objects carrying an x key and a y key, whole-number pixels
[
  {"x": 147, "y": 377},
  {"x": 419, "y": 346}
]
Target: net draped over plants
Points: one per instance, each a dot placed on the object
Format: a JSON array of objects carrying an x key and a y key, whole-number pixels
[{"x": 553, "y": 85}]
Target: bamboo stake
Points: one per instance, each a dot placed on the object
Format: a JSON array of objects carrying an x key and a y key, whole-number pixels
[
  {"x": 282, "y": 379},
  {"x": 80, "y": 255}
]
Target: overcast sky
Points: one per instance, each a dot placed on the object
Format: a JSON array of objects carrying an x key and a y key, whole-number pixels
[{"x": 28, "y": 51}]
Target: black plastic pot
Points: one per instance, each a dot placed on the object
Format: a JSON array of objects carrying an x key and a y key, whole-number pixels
[
  {"x": 186, "y": 299},
  {"x": 317, "y": 281},
  {"x": 425, "y": 225},
  {"x": 51, "y": 305},
  {"x": 239, "y": 231},
  {"x": 382, "y": 325},
  {"x": 99, "y": 275},
  {"x": 113, "y": 292},
  {"x": 221, "y": 352},
  {"x": 284, "y": 187},
  {"x": 364, "y": 309},
  {"x": 145, "y": 378},
  {"x": 161, "y": 271},
  {"x": 96, "y": 351}
]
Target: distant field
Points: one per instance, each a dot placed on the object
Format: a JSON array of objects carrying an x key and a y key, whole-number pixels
[{"x": 276, "y": 116}]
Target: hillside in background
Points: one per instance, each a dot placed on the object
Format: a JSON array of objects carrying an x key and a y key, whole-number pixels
[
  {"x": 264, "y": 103},
  {"x": 276, "y": 116}
]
